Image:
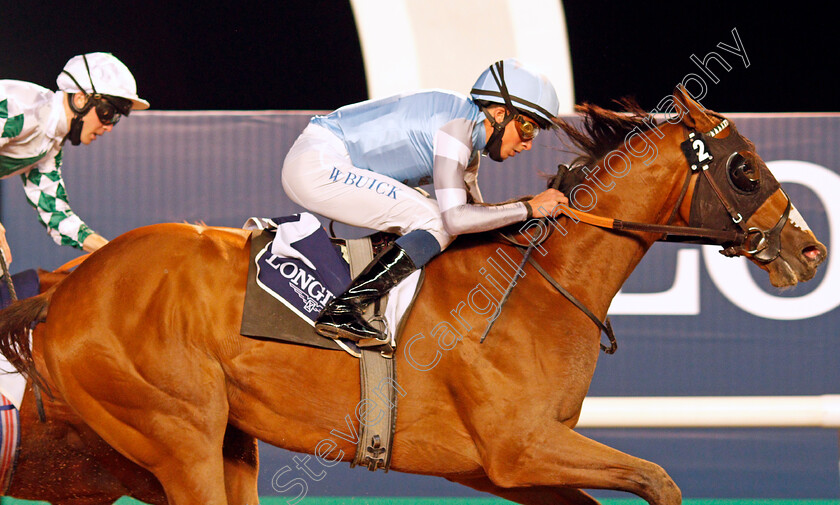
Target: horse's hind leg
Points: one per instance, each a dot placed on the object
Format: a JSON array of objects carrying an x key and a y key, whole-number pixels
[
  {"x": 540, "y": 495},
  {"x": 174, "y": 426},
  {"x": 186, "y": 457}
]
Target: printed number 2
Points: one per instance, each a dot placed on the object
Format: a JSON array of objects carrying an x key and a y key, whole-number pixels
[{"x": 700, "y": 147}]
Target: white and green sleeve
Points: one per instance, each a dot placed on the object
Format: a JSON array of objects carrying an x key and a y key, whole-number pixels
[{"x": 45, "y": 191}]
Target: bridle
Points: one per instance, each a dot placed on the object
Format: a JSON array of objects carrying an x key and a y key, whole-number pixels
[
  {"x": 762, "y": 244},
  {"x": 736, "y": 238}
]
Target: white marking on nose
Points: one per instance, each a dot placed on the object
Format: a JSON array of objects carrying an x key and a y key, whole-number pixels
[{"x": 797, "y": 220}]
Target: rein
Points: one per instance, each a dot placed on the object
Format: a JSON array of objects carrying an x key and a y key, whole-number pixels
[
  {"x": 605, "y": 327},
  {"x": 766, "y": 249}
]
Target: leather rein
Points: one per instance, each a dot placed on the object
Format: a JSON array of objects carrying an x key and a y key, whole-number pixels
[{"x": 765, "y": 249}]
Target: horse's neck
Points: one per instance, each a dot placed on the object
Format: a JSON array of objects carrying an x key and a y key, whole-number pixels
[{"x": 598, "y": 262}]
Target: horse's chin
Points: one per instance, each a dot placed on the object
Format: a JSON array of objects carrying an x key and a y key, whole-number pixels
[
  {"x": 789, "y": 269},
  {"x": 782, "y": 275}
]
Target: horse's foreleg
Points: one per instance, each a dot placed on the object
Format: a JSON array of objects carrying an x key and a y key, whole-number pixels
[
  {"x": 541, "y": 495},
  {"x": 241, "y": 467},
  {"x": 555, "y": 455}
]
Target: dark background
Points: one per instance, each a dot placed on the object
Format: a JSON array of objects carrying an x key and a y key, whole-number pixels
[{"x": 305, "y": 55}]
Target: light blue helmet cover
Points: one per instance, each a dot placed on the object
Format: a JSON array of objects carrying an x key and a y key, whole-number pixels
[{"x": 529, "y": 92}]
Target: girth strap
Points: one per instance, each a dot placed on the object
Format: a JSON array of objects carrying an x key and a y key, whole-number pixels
[{"x": 376, "y": 436}]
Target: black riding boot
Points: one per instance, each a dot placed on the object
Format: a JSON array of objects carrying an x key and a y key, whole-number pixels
[{"x": 342, "y": 316}]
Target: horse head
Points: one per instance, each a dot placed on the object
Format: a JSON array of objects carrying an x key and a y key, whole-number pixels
[{"x": 736, "y": 191}]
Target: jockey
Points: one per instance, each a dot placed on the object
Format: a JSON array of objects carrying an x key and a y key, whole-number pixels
[
  {"x": 95, "y": 91},
  {"x": 358, "y": 165}
]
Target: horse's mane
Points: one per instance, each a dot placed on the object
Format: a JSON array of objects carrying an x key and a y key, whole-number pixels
[{"x": 601, "y": 130}]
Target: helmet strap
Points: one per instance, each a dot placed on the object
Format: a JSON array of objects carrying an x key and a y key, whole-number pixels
[
  {"x": 493, "y": 147},
  {"x": 497, "y": 70},
  {"x": 494, "y": 143},
  {"x": 76, "y": 124},
  {"x": 75, "y": 133}
]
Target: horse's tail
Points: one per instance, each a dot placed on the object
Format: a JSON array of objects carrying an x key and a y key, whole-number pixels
[{"x": 16, "y": 321}]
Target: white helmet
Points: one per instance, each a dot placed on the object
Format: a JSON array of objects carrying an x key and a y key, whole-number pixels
[{"x": 100, "y": 73}]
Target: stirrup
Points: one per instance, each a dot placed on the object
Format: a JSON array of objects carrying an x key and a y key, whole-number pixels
[
  {"x": 374, "y": 342},
  {"x": 336, "y": 333},
  {"x": 384, "y": 342}
]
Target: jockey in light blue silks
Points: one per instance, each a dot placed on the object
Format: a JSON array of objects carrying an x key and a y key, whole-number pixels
[{"x": 357, "y": 165}]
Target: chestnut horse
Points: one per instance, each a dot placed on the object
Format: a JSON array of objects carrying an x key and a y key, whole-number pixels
[
  {"x": 143, "y": 338},
  {"x": 64, "y": 462}
]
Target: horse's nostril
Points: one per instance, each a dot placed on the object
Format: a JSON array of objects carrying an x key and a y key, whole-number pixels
[{"x": 813, "y": 253}]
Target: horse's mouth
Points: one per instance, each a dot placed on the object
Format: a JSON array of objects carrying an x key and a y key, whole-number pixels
[{"x": 788, "y": 272}]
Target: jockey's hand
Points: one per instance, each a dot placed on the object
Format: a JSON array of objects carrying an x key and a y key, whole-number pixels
[
  {"x": 4, "y": 246},
  {"x": 544, "y": 203},
  {"x": 93, "y": 242}
]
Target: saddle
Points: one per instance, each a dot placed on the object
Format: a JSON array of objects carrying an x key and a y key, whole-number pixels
[{"x": 285, "y": 294}]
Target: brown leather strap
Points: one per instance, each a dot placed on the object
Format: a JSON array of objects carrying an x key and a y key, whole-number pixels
[
  {"x": 671, "y": 233},
  {"x": 714, "y": 237},
  {"x": 685, "y": 187},
  {"x": 736, "y": 216}
]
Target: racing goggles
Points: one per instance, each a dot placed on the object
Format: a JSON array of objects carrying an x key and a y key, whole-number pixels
[
  {"x": 108, "y": 112},
  {"x": 526, "y": 129}
]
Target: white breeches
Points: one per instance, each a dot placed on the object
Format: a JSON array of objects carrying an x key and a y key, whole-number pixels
[{"x": 318, "y": 175}]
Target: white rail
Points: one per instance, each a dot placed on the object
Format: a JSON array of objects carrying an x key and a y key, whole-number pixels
[{"x": 711, "y": 412}]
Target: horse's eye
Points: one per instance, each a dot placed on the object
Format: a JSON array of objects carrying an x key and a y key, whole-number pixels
[{"x": 743, "y": 175}]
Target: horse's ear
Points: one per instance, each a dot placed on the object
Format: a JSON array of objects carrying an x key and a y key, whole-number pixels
[{"x": 693, "y": 114}]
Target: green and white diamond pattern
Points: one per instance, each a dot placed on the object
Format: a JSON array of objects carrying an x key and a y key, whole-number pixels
[
  {"x": 45, "y": 191},
  {"x": 12, "y": 126},
  {"x": 34, "y": 157}
]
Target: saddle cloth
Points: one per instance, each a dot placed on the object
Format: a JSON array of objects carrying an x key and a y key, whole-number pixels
[
  {"x": 294, "y": 270},
  {"x": 26, "y": 284}
]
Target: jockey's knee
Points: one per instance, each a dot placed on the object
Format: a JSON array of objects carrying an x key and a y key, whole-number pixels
[{"x": 420, "y": 245}]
